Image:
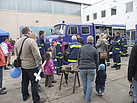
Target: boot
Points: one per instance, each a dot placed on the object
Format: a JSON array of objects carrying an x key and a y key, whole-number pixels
[
  {"x": 113, "y": 66},
  {"x": 118, "y": 67}
]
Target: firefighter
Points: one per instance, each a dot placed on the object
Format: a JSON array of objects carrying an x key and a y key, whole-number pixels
[
  {"x": 42, "y": 48},
  {"x": 117, "y": 51},
  {"x": 124, "y": 45},
  {"x": 72, "y": 52},
  {"x": 59, "y": 54},
  {"x": 108, "y": 58}
]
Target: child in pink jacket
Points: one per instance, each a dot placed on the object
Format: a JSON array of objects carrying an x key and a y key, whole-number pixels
[
  {"x": 48, "y": 70},
  {"x": 10, "y": 52}
]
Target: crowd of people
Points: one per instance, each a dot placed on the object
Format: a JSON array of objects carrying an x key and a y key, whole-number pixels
[{"x": 36, "y": 52}]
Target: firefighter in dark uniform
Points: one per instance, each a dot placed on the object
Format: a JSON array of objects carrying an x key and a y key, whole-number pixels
[
  {"x": 72, "y": 52},
  {"x": 124, "y": 45},
  {"x": 59, "y": 54},
  {"x": 42, "y": 47},
  {"x": 117, "y": 51},
  {"x": 108, "y": 58}
]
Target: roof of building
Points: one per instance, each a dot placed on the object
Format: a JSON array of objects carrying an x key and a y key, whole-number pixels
[{"x": 69, "y": 1}]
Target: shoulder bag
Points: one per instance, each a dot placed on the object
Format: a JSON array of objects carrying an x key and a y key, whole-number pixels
[
  {"x": 103, "y": 55},
  {"x": 17, "y": 61}
]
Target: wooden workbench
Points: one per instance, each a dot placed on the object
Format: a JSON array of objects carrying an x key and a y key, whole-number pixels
[{"x": 72, "y": 67}]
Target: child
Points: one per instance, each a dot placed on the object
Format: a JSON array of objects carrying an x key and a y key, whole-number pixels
[
  {"x": 48, "y": 70},
  {"x": 53, "y": 60},
  {"x": 100, "y": 80},
  {"x": 59, "y": 54}
]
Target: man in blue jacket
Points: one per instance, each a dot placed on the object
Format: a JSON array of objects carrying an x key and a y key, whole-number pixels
[
  {"x": 42, "y": 47},
  {"x": 72, "y": 52},
  {"x": 117, "y": 51}
]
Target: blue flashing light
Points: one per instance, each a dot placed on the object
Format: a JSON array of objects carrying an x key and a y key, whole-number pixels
[{"x": 63, "y": 21}]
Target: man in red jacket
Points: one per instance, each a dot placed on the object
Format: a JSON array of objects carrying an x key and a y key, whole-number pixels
[{"x": 2, "y": 63}]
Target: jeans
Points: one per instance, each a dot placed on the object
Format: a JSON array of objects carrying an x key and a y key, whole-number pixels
[
  {"x": 87, "y": 77},
  {"x": 100, "y": 87},
  {"x": 1, "y": 76},
  {"x": 135, "y": 89},
  {"x": 28, "y": 74},
  {"x": 52, "y": 79}
]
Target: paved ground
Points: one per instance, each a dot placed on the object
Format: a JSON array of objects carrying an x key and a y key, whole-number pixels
[{"x": 117, "y": 89}]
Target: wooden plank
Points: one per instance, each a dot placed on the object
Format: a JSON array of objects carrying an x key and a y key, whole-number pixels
[{"x": 70, "y": 67}]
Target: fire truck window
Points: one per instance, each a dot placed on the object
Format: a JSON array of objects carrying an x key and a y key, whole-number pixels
[
  {"x": 85, "y": 30},
  {"x": 72, "y": 30}
]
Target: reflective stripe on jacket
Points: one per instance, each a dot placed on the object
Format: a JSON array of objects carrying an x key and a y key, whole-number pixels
[
  {"x": 124, "y": 42},
  {"x": 59, "y": 50},
  {"x": 42, "y": 47},
  {"x": 72, "y": 51},
  {"x": 117, "y": 44}
]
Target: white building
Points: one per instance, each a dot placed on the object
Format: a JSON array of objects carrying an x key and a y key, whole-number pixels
[{"x": 113, "y": 12}]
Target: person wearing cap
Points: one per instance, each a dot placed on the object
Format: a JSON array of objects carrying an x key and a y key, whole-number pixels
[
  {"x": 100, "y": 80},
  {"x": 59, "y": 54},
  {"x": 88, "y": 61},
  {"x": 72, "y": 52},
  {"x": 124, "y": 46},
  {"x": 80, "y": 39}
]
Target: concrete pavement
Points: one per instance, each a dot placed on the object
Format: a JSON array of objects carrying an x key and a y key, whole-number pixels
[{"x": 117, "y": 88}]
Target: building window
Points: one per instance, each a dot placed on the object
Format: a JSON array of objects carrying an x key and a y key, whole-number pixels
[
  {"x": 87, "y": 17},
  {"x": 94, "y": 16},
  {"x": 103, "y": 13},
  {"x": 113, "y": 11},
  {"x": 129, "y": 6}
]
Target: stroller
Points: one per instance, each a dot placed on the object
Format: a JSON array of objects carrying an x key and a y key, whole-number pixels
[{"x": 131, "y": 93}]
